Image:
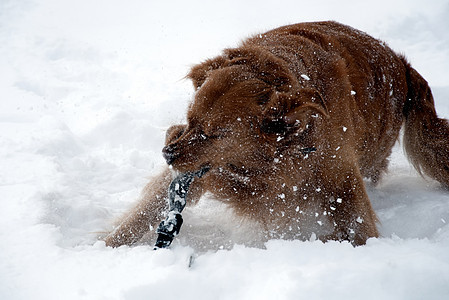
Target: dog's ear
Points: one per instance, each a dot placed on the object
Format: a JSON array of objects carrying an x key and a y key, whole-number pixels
[
  {"x": 292, "y": 112},
  {"x": 198, "y": 74},
  {"x": 264, "y": 66}
]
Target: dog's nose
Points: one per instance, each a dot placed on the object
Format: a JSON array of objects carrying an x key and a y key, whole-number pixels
[{"x": 169, "y": 154}]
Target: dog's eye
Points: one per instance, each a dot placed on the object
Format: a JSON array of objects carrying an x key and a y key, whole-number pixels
[
  {"x": 209, "y": 137},
  {"x": 273, "y": 126},
  {"x": 217, "y": 134}
]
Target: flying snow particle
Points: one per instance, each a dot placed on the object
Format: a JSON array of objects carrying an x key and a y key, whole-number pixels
[
  {"x": 304, "y": 76},
  {"x": 282, "y": 196},
  {"x": 353, "y": 93},
  {"x": 295, "y": 188},
  {"x": 339, "y": 200},
  {"x": 359, "y": 220},
  {"x": 344, "y": 129}
]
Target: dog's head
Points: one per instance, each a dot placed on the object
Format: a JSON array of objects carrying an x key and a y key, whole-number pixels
[{"x": 247, "y": 109}]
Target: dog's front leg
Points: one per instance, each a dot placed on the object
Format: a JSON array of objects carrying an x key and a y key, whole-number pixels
[
  {"x": 147, "y": 214},
  {"x": 350, "y": 208}
]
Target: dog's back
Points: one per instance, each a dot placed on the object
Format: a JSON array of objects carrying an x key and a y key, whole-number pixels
[
  {"x": 388, "y": 91},
  {"x": 349, "y": 68}
]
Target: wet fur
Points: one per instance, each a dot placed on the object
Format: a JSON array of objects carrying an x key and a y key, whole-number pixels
[{"x": 311, "y": 85}]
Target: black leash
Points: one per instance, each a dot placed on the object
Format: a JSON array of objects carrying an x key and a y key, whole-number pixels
[{"x": 177, "y": 192}]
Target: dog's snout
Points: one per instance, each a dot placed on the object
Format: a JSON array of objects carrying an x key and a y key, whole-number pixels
[{"x": 169, "y": 154}]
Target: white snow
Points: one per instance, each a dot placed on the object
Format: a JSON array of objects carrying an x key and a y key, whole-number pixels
[{"x": 87, "y": 91}]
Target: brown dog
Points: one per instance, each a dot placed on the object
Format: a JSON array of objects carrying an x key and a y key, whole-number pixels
[{"x": 289, "y": 124}]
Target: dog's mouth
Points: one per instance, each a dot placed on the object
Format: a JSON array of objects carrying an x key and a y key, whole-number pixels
[
  {"x": 192, "y": 174},
  {"x": 236, "y": 171},
  {"x": 230, "y": 169}
]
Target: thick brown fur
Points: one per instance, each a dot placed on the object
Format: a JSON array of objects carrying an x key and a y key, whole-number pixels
[{"x": 258, "y": 106}]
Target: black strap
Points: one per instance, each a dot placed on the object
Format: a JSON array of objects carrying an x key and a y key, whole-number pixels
[{"x": 177, "y": 193}]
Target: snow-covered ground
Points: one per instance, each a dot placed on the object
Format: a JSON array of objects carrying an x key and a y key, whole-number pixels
[{"x": 87, "y": 89}]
